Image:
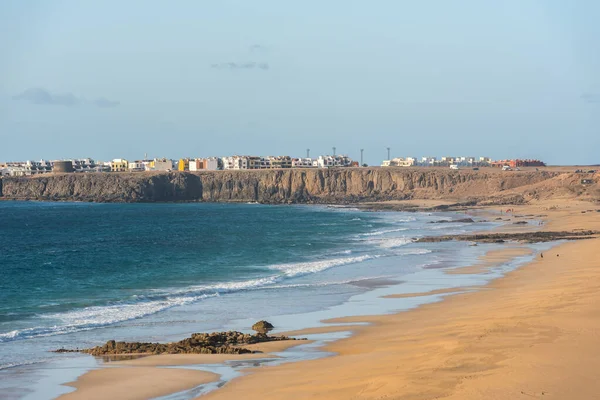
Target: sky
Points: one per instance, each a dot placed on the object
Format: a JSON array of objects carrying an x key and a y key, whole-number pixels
[{"x": 193, "y": 78}]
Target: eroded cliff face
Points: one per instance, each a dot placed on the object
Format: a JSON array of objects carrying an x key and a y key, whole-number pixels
[{"x": 346, "y": 185}]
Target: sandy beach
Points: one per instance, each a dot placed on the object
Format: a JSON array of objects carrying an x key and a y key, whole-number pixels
[{"x": 529, "y": 334}]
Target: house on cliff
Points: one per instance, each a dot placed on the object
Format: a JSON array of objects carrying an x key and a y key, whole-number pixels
[{"x": 119, "y": 165}]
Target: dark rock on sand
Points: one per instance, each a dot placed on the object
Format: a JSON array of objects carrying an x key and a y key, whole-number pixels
[
  {"x": 450, "y": 221},
  {"x": 262, "y": 326},
  {"x": 199, "y": 343},
  {"x": 524, "y": 237},
  {"x": 520, "y": 223}
]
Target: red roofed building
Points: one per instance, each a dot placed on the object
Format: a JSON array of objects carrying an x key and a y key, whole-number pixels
[{"x": 518, "y": 163}]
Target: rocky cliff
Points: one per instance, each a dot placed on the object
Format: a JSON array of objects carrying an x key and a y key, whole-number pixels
[{"x": 292, "y": 186}]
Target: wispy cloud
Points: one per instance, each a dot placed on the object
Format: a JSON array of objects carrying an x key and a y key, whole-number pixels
[
  {"x": 41, "y": 96},
  {"x": 258, "y": 48},
  {"x": 591, "y": 97},
  {"x": 238, "y": 66},
  {"x": 105, "y": 103}
]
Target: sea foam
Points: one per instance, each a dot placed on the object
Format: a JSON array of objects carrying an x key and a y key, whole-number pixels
[{"x": 159, "y": 300}]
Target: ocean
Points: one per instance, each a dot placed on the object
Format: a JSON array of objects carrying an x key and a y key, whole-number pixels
[{"x": 75, "y": 275}]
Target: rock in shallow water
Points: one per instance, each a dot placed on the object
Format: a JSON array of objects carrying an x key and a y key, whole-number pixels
[{"x": 199, "y": 343}]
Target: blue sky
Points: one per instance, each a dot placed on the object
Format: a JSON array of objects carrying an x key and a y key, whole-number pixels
[{"x": 195, "y": 78}]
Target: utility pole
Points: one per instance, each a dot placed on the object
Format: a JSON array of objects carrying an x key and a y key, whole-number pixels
[
  {"x": 388, "y": 149},
  {"x": 307, "y": 153},
  {"x": 333, "y": 150},
  {"x": 361, "y": 157}
]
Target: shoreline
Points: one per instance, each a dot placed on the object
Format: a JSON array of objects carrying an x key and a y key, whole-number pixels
[
  {"x": 357, "y": 330},
  {"x": 559, "y": 218},
  {"x": 480, "y": 344}
]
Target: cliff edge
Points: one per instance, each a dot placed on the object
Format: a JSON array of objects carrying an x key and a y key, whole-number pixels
[{"x": 343, "y": 185}]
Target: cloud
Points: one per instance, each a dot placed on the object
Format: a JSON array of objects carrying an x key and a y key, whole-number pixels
[
  {"x": 237, "y": 66},
  {"x": 41, "y": 96},
  {"x": 591, "y": 97},
  {"x": 258, "y": 48},
  {"x": 105, "y": 103}
]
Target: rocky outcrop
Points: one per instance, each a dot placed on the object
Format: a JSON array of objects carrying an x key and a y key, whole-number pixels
[
  {"x": 523, "y": 237},
  {"x": 341, "y": 185},
  {"x": 452, "y": 221},
  {"x": 230, "y": 342},
  {"x": 262, "y": 326}
]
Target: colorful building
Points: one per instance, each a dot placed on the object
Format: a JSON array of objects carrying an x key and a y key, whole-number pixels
[
  {"x": 517, "y": 163},
  {"x": 184, "y": 164},
  {"x": 206, "y": 164},
  {"x": 119, "y": 165}
]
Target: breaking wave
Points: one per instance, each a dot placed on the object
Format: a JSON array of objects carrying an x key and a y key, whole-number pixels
[{"x": 160, "y": 299}]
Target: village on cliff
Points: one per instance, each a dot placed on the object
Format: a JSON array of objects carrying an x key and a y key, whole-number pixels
[{"x": 28, "y": 168}]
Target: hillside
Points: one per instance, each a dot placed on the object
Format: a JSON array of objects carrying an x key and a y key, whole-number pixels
[{"x": 349, "y": 185}]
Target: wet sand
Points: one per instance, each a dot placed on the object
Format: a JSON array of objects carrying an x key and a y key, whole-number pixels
[
  {"x": 493, "y": 258},
  {"x": 144, "y": 377},
  {"x": 135, "y": 383}
]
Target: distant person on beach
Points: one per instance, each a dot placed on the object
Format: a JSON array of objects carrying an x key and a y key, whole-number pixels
[{"x": 541, "y": 255}]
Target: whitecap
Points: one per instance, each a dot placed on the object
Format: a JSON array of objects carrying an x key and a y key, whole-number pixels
[
  {"x": 384, "y": 231},
  {"x": 395, "y": 242},
  {"x": 303, "y": 268}
]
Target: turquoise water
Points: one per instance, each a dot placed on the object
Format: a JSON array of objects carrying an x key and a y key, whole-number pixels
[
  {"x": 67, "y": 267},
  {"x": 78, "y": 274}
]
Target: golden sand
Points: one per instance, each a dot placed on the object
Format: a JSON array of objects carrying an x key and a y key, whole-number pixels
[{"x": 135, "y": 383}]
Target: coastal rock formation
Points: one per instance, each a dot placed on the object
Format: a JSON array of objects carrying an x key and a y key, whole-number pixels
[
  {"x": 336, "y": 185},
  {"x": 230, "y": 342},
  {"x": 523, "y": 237},
  {"x": 452, "y": 221},
  {"x": 262, "y": 326}
]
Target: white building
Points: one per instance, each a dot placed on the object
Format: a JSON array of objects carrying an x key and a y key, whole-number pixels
[
  {"x": 235, "y": 162},
  {"x": 304, "y": 163},
  {"x": 85, "y": 165},
  {"x": 148, "y": 165},
  {"x": 212, "y": 163},
  {"x": 204, "y": 164},
  {"x": 136, "y": 166},
  {"x": 37, "y": 167},
  {"x": 428, "y": 161},
  {"x": 27, "y": 168},
  {"x": 334, "y": 161},
  {"x": 399, "y": 162},
  {"x": 17, "y": 171}
]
